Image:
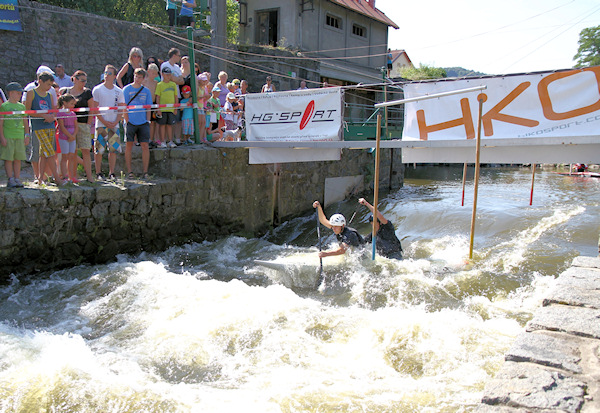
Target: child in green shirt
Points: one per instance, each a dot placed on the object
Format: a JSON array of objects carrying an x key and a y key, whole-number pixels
[
  {"x": 14, "y": 135},
  {"x": 213, "y": 109}
]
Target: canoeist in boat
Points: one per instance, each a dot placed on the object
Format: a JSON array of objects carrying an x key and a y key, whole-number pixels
[
  {"x": 387, "y": 243},
  {"x": 347, "y": 237},
  {"x": 580, "y": 167}
]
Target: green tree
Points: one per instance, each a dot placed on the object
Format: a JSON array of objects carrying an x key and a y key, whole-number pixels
[
  {"x": 588, "y": 53},
  {"x": 422, "y": 72},
  {"x": 233, "y": 21},
  {"x": 147, "y": 11}
]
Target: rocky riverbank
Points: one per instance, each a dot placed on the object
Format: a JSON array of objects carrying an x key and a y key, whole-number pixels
[{"x": 554, "y": 366}]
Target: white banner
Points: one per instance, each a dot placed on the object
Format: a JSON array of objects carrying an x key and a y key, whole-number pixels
[
  {"x": 303, "y": 115},
  {"x": 548, "y": 104}
]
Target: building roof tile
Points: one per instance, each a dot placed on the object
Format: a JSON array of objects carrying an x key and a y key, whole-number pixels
[{"x": 364, "y": 8}]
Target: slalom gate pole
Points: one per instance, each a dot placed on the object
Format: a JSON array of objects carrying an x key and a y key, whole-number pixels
[
  {"x": 532, "y": 181},
  {"x": 320, "y": 279},
  {"x": 462, "y": 203},
  {"x": 477, "y": 157},
  {"x": 376, "y": 184}
]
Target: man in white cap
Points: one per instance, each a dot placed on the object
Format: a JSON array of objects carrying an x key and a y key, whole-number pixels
[{"x": 348, "y": 237}]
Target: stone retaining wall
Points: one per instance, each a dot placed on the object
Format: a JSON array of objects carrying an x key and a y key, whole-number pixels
[
  {"x": 88, "y": 42},
  {"x": 195, "y": 193},
  {"x": 555, "y": 365}
]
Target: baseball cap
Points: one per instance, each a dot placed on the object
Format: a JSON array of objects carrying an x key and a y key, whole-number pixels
[
  {"x": 231, "y": 95},
  {"x": 14, "y": 87},
  {"x": 186, "y": 89},
  {"x": 216, "y": 89},
  {"x": 203, "y": 77},
  {"x": 43, "y": 69},
  {"x": 236, "y": 81},
  {"x": 166, "y": 70}
]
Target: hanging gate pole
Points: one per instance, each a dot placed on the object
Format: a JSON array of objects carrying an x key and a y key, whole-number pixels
[
  {"x": 477, "y": 157},
  {"x": 532, "y": 181},
  {"x": 376, "y": 183},
  {"x": 462, "y": 203}
]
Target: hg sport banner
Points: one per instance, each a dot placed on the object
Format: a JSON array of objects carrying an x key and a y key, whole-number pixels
[
  {"x": 304, "y": 115},
  {"x": 549, "y": 104},
  {"x": 10, "y": 18}
]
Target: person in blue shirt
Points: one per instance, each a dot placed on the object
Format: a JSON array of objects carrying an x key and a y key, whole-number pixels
[
  {"x": 186, "y": 15},
  {"x": 138, "y": 120}
]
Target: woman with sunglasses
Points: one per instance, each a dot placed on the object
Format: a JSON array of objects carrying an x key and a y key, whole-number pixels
[{"x": 83, "y": 99}]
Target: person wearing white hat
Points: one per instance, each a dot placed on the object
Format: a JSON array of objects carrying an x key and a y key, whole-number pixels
[
  {"x": 230, "y": 107},
  {"x": 34, "y": 84},
  {"x": 347, "y": 237}
]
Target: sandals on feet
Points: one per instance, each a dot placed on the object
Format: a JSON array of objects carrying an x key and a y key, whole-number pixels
[{"x": 131, "y": 175}]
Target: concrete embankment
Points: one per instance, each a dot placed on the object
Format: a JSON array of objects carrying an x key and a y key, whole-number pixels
[
  {"x": 554, "y": 366},
  {"x": 195, "y": 193}
]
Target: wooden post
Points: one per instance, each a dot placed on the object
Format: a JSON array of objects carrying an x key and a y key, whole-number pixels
[
  {"x": 532, "y": 181},
  {"x": 462, "y": 203},
  {"x": 376, "y": 183},
  {"x": 477, "y": 157}
]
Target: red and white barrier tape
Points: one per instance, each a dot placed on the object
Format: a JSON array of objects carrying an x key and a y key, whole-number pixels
[{"x": 95, "y": 110}]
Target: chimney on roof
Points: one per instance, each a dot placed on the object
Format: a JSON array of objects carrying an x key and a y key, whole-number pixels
[{"x": 371, "y": 3}]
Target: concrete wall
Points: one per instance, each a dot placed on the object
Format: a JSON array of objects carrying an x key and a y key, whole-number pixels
[{"x": 196, "y": 193}]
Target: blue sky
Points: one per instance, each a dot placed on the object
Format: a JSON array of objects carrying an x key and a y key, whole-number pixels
[{"x": 511, "y": 36}]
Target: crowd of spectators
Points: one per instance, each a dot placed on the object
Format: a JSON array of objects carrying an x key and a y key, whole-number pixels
[{"x": 56, "y": 143}]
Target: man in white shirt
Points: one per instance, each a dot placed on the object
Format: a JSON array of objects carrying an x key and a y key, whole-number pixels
[
  {"x": 302, "y": 85},
  {"x": 107, "y": 94}
]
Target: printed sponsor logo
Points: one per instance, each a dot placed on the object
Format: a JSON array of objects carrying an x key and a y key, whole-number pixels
[{"x": 309, "y": 115}]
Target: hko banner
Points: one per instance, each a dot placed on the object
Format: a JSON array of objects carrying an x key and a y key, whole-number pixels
[
  {"x": 303, "y": 115},
  {"x": 549, "y": 104}
]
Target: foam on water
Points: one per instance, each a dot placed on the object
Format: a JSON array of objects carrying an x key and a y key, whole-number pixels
[{"x": 202, "y": 328}]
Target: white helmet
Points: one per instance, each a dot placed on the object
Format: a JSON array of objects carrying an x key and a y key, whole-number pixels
[{"x": 337, "y": 220}]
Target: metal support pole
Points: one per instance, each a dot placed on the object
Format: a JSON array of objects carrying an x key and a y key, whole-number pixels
[
  {"x": 218, "y": 28},
  {"x": 190, "y": 36}
]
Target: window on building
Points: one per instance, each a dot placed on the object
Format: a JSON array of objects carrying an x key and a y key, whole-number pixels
[
  {"x": 359, "y": 30},
  {"x": 333, "y": 21}
]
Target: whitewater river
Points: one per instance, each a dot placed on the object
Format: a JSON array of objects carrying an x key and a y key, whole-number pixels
[{"x": 202, "y": 328}]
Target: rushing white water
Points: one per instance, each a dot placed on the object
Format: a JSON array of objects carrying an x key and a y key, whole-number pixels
[{"x": 201, "y": 328}]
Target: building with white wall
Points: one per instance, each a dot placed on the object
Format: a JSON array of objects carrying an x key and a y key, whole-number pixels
[{"x": 352, "y": 32}]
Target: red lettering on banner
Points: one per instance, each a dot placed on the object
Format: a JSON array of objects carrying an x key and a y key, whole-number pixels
[
  {"x": 494, "y": 113},
  {"x": 308, "y": 112},
  {"x": 549, "y": 112},
  {"x": 466, "y": 120}
]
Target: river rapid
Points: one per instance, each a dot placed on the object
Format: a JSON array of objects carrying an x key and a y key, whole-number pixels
[{"x": 202, "y": 328}]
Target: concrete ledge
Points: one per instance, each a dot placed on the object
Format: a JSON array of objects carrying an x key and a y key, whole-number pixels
[{"x": 555, "y": 365}]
